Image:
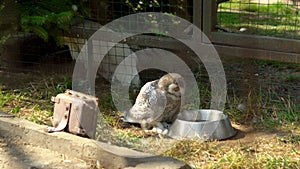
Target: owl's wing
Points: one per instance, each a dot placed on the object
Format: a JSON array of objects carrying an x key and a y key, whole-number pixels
[
  {"x": 172, "y": 109},
  {"x": 149, "y": 105}
]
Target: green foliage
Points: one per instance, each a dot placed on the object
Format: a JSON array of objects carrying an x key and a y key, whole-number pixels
[
  {"x": 48, "y": 19},
  {"x": 175, "y": 7},
  {"x": 4, "y": 98},
  {"x": 62, "y": 86},
  {"x": 292, "y": 78},
  {"x": 142, "y": 4}
]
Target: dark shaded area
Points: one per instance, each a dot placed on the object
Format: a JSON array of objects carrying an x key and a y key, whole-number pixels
[
  {"x": 105, "y": 11},
  {"x": 30, "y": 53}
]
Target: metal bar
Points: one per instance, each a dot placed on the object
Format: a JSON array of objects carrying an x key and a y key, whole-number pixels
[{"x": 90, "y": 64}]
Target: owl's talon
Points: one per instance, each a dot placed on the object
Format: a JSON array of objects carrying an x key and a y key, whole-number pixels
[
  {"x": 159, "y": 131},
  {"x": 165, "y": 132},
  {"x": 154, "y": 129}
]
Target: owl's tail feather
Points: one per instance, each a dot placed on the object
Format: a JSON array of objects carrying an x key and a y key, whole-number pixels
[
  {"x": 124, "y": 115},
  {"x": 127, "y": 118}
]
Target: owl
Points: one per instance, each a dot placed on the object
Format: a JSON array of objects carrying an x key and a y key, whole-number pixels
[{"x": 157, "y": 104}]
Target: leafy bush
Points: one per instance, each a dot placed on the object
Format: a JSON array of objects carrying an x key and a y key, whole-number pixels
[{"x": 49, "y": 19}]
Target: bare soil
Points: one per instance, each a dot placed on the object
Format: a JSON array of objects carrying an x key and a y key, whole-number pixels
[{"x": 17, "y": 154}]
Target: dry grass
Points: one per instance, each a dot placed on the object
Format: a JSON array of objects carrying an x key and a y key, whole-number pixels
[
  {"x": 29, "y": 96},
  {"x": 254, "y": 150},
  {"x": 255, "y": 146}
]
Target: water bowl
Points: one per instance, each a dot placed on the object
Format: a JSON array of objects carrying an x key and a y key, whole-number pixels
[{"x": 204, "y": 124}]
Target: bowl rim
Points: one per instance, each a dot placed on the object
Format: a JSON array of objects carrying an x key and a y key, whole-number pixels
[{"x": 225, "y": 116}]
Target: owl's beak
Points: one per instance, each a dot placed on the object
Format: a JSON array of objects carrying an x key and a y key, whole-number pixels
[{"x": 176, "y": 89}]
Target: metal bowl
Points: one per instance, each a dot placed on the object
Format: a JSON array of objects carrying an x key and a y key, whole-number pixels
[{"x": 204, "y": 124}]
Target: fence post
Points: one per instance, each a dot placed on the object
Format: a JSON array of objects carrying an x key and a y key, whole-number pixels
[
  {"x": 209, "y": 17},
  {"x": 197, "y": 13}
]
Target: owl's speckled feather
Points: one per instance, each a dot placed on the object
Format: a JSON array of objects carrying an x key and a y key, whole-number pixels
[{"x": 158, "y": 102}]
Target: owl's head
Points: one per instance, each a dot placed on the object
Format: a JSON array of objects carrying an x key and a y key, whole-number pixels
[{"x": 172, "y": 83}]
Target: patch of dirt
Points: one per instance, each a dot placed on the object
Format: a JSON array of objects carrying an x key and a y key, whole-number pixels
[
  {"x": 17, "y": 154},
  {"x": 247, "y": 135}
]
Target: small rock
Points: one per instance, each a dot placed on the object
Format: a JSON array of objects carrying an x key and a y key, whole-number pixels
[
  {"x": 165, "y": 132},
  {"x": 254, "y": 120},
  {"x": 241, "y": 107},
  {"x": 67, "y": 161},
  {"x": 98, "y": 163},
  {"x": 243, "y": 29},
  {"x": 75, "y": 8}
]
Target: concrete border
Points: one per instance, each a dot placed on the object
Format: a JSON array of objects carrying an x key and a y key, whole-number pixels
[{"x": 83, "y": 148}]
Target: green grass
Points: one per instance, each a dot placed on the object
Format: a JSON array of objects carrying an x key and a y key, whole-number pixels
[
  {"x": 293, "y": 78},
  {"x": 278, "y": 19},
  {"x": 271, "y": 9},
  {"x": 279, "y": 65},
  {"x": 33, "y": 101},
  {"x": 9, "y": 98},
  {"x": 4, "y": 98}
]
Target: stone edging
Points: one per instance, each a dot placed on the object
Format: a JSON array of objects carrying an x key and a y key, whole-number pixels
[{"x": 109, "y": 156}]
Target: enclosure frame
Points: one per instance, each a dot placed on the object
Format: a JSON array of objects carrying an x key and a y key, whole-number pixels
[{"x": 226, "y": 43}]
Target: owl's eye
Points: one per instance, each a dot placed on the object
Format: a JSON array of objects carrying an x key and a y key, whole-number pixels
[{"x": 176, "y": 89}]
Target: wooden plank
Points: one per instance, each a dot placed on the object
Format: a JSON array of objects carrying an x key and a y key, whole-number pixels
[
  {"x": 258, "y": 54},
  {"x": 168, "y": 43},
  {"x": 256, "y": 42},
  {"x": 155, "y": 42},
  {"x": 141, "y": 40}
]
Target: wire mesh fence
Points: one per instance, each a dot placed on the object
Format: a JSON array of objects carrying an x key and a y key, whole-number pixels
[
  {"x": 256, "y": 89},
  {"x": 106, "y": 11},
  {"x": 273, "y": 18},
  {"x": 278, "y": 18}
]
